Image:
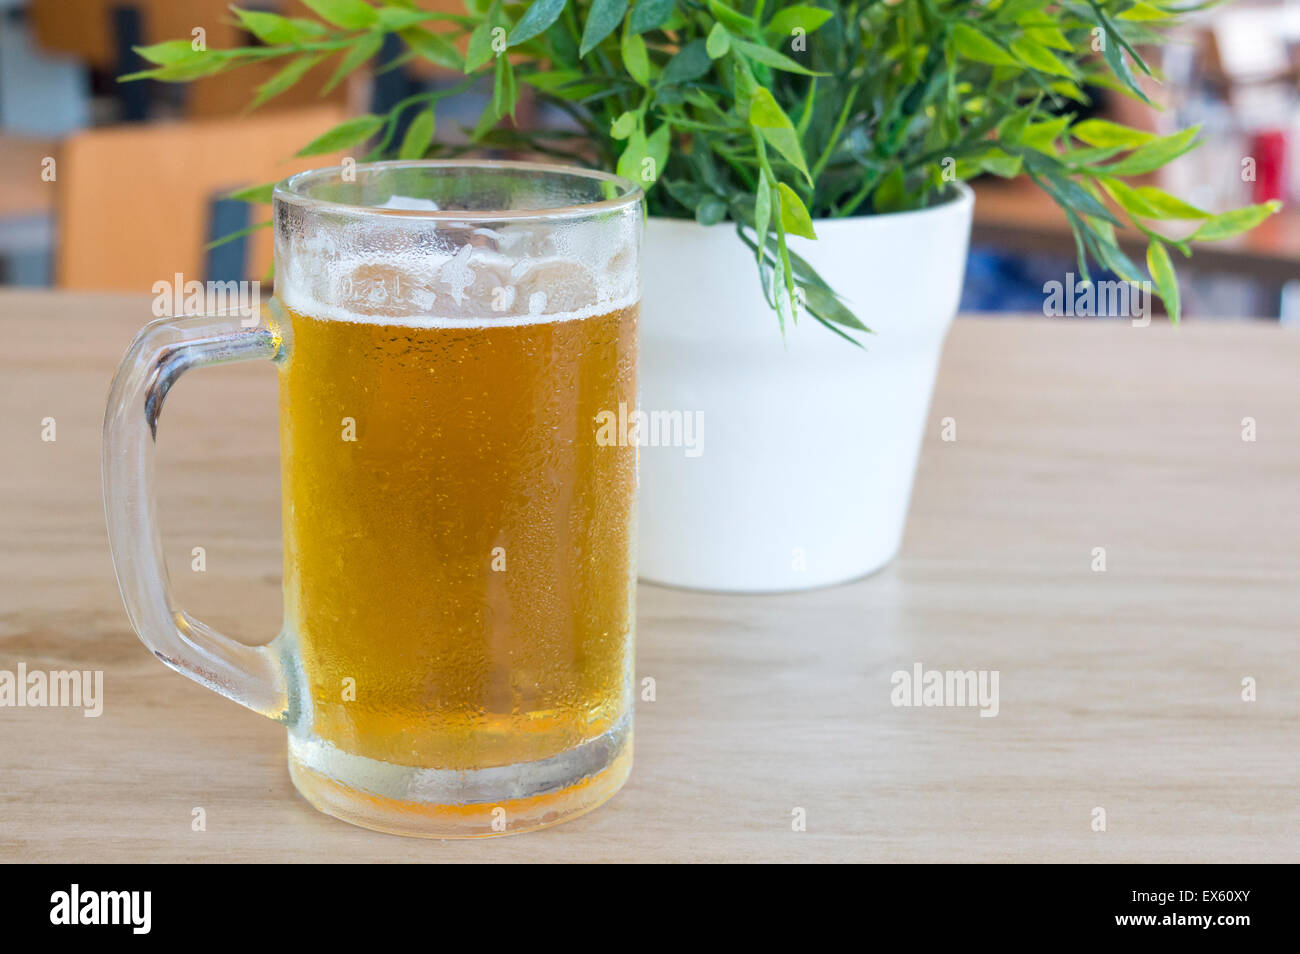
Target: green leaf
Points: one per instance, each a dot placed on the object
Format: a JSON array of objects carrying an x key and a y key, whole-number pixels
[
  {"x": 234, "y": 236},
  {"x": 762, "y": 212},
  {"x": 743, "y": 81},
  {"x": 1088, "y": 155},
  {"x": 1168, "y": 206},
  {"x": 820, "y": 299},
  {"x": 689, "y": 63},
  {"x": 1078, "y": 229},
  {"x": 171, "y": 52},
  {"x": 1228, "y": 224},
  {"x": 480, "y": 49},
  {"x": 604, "y": 18},
  {"x": 536, "y": 20},
  {"x": 649, "y": 15},
  {"x": 345, "y": 134},
  {"x": 395, "y": 19},
  {"x": 487, "y": 121},
  {"x": 1128, "y": 199},
  {"x": 889, "y": 195},
  {"x": 1034, "y": 54},
  {"x": 1070, "y": 90},
  {"x": 629, "y": 162},
  {"x": 1140, "y": 12},
  {"x": 766, "y": 116},
  {"x": 1017, "y": 11},
  {"x": 718, "y": 43},
  {"x": 689, "y": 194},
  {"x": 735, "y": 21},
  {"x": 656, "y": 150},
  {"x": 1154, "y": 154},
  {"x": 794, "y": 215},
  {"x": 260, "y": 194},
  {"x": 285, "y": 78},
  {"x": 210, "y": 63},
  {"x": 622, "y": 127},
  {"x": 566, "y": 84},
  {"x": 1162, "y": 273},
  {"x": 1011, "y": 127},
  {"x": 636, "y": 60},
  {"x": 1042, "y": 136},
  {"x": 710, "y": 211},
  {"x": 551, "y": 81},
  {"x": 1067, "y": 193},
  {"x": 1100, "y": 132},
  {"x": 1151, "y": 203},
  {"x": 1110, "y": 254},
  {"x": 1114, "y": 33},
  {"x": 770, "y": 57},
  {"x": 1080, "y": 199},
  {"x": 798, "y": 17},
  {"x": 364, "y": 49},
  {"x": 1112, "y": 52},
  {"x": 419, "y": 135},
  {"x": 504, "y": 90},
  {"x": 434, "y": 47},
  {"x": 999, "y": 163},
  {"x": 348, "y": 14},
  {"x": 971, "y": 44},
  {"x": 830, "y": 311},
  {"x": 275, "y": 30},
  {"x": 562, "y": 47},
  {"x": 1051, "y": 37}
]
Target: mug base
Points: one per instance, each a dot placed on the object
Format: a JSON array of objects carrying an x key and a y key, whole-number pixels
[{"x": 436, "y": 803}]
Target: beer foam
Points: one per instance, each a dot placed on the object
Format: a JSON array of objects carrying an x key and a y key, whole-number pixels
[
  {"x": 489, "y": 281},
  {"x": 325, "y": 312}
]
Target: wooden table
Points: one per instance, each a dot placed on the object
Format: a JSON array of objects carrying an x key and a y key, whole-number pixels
[{"x": 1118, "y": 689}]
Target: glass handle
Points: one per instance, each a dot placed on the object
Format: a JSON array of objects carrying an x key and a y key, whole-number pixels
[{"x": 161, "y": 353}]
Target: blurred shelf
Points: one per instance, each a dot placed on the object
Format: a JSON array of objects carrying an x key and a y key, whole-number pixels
[
  {"x": 23, "y": 193},
  {"x": 26, "y": 200}
]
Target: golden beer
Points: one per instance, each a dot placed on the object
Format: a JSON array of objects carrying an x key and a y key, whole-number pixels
[
  {"x": 452, "y": 337},
  {"x": 458, "y": 546}
]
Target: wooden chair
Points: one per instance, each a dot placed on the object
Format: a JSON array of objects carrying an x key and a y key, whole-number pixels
[{"x": 135, "y": 202}]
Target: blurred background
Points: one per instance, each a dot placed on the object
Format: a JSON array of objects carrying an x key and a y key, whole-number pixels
[{"x": 106, "y": 186}]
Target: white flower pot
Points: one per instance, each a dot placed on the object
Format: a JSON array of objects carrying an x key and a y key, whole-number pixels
[{"x": 803, "y": 470}]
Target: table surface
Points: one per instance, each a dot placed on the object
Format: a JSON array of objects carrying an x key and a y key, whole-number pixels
[{"x": 1119, "y": 690}]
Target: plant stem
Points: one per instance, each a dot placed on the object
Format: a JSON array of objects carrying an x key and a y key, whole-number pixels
[{"x": 836, "y": 132}]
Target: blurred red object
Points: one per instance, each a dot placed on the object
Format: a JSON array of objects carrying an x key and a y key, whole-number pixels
[{"x": 1269, "y": 149}]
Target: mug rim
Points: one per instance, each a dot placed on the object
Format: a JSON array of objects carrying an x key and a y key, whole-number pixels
[{"x": 291, "y": 190}]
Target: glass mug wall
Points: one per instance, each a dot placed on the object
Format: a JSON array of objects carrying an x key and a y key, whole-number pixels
[{"x": 457, "y": 650}]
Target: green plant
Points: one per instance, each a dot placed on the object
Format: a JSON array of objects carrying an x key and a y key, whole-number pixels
[{"x": 770, "y": 115}]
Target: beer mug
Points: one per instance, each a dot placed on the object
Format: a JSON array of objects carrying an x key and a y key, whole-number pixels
[{"x": 456, "y": 657}]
